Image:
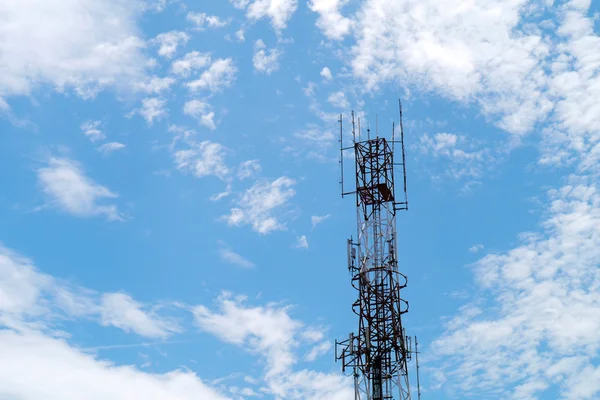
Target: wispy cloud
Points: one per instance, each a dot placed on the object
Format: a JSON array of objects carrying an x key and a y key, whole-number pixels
[
  {"x": 90, "y": 129},
  {"x": 273, "y": 334},
  {"x": 168, "y": 42},
  {"x": 318, "y": 219},
  {"x": 27, "y": 293},
  {"x": 84, "y": 375},
  {"x": 338, "y": 99},
  {"x": 265, "y": 61},
  {"x": 543, "y": 329},
  {"x": 69, "y": 189},
  {"x": 155, "y": 85},
  {"x": 333, "y": 24},
  {"x": 202, "y": 20},
  {"x": 326, "y": 74},
  {"x": 261, "y": 205},
  {"x": 203, "y": 159},
  {"x": 192, "y": 61},
  {"x": 202, "y": 112},
  {"x": 460, "y": 158},
  {"x": 476, "y": 248},
  {"x": 134, "y": 345},
  {"x": 278, "y": 11},
  {"x": 248, "y": 169},
  {"x": 219, "y": 75},
  {"x": 231, "y": 257},
  {"x": 153, "y": 108},
  {"x": 100, "y": 48},
  {"x": 122, "y": 311},
  {"x": 111, "y": 147},
  {"x": 301, "y": 242}
]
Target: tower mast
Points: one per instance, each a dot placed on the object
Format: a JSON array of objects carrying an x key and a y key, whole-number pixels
[{"x": 377, "y": 355}]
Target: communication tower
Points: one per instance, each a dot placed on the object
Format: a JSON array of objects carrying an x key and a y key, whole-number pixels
[{"x": 377, "y": 355}]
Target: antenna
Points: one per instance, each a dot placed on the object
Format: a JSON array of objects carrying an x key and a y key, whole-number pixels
[
  {"x": 353, "y": 132},
  {"x": 403, "y": 154},
  {"x": 342, "y": 149},
  {"x": 393, "y": 136},
  {"x": 417, "y": 362},
  {"x": 341, "y": 155}
]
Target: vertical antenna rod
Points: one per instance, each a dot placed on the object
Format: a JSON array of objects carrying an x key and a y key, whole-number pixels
[
  {"x": 353, "y": 132},
  {"x": 403, "y": 154},
  {"x": 417, "y": 362},
  {"x": 341, "y": 155}
]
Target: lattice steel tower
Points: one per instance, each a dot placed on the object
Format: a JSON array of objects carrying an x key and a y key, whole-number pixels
[{"x": 378, "y": 354}]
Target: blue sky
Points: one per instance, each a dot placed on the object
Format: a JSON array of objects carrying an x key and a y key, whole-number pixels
[{"x": 171, "y": 223}]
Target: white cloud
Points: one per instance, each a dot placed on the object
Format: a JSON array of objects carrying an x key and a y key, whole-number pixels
[
  {"x": 169, "y": 41},
  {"x": 267, "y": 331},
  {"x": 248, "y": 169},
  {"x": 223, "y": 194},
  {"x": 440, "y": 144},
  {"x": 279, "y": 11},
  {"x": 301, "y": 242},
  {"x": 153, "y": 108},
  {"x": 239, "y": 35},
  {"x": 518, "y": 70},
  {"x": 312, "y": 142},
  {"x": 543, "y": 329},
  {"x": 60, "y": 371},
  {"x": 156, "y": 85},
  {"x": 219, "y": 75},
  {"x": 69, "y": 189},
  {"x": 541, "y": 304},
  {"x": 316, "y": 219},
  {"x": 55, "y": 370},
  {"x": 202, "y": 20},
  {"x": 317, "y": 351},
  {"x": 333, "y": 24},
  {"x": 90, "y": 129},
  {"x": 192, "y": 61},
  {"x": 271, "y": 327},
  {"x": 462, "y": 158},
  {"x": 261, "y": 205},
  {"x": 575, "y": 86},
  {"x": 309, "y": 90},
  {"x": 98, "y": 47},
  {"x": 476, "y": 248},
  {"x": 240, "y": 4},
  {"x": 326, "y": 74},
  {"x": 122, "y": 311},
  {"x": 202, "y": 112},
  {"x": 316, "y": 136},
  {"x": 108, "y": 148},
  {"x": 203, "y": 159},
  {"x": 20, "y": 285},
  {"x": 231, "y": 257},
  {"x": 474, "y": 51},
  {"x": 30, "y": 299},
  {"x": 265, "y": 61},
  {"x": 313, "y": 334},
  {"x": 339, "y": 100},
  {"x": 270, "y": 332}
]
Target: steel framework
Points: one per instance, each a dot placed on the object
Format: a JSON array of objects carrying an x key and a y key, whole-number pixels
[{"x": 378, "y": 354}]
